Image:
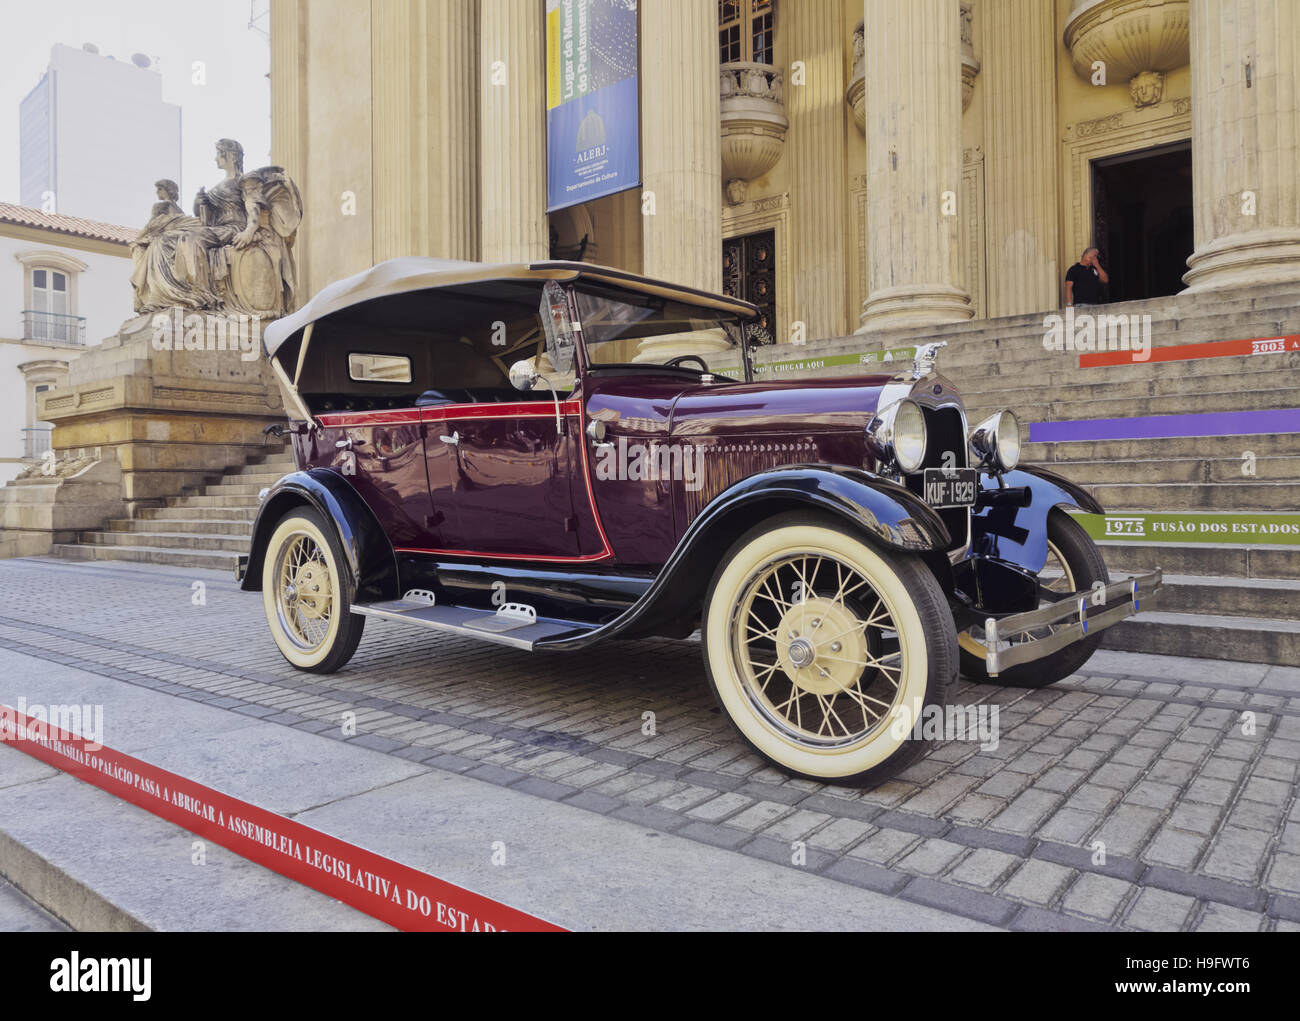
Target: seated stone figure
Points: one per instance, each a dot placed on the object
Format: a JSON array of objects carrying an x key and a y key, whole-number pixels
[
  {"x": 169, "y": 259},
  {"x": 235, "y": 255}
]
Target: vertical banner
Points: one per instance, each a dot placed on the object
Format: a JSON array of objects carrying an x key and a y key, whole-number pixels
[{"x": 593, "y": 122}]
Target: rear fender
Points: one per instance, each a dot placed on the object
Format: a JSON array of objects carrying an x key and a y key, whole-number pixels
[{"x": 369, "y": 554}]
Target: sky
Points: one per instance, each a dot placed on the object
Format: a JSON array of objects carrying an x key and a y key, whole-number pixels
[{"x": 235, "y": 101}]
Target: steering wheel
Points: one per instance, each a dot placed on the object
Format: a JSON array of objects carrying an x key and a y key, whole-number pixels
[{"x": 676, "y": 362}]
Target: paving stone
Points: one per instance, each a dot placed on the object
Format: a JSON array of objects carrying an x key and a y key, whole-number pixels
[
  {"x": 1237, "y": 853},
  {"x": 1284, "y": 875},
  {"x": 1026, "y": 811},
  {"x": 867, "y": 876},
  {"x": 1038, "y": 881},
  {"x": 1221, "y": 918},
  {"x": 1127, "y": 829},
  {"x": 839, "y": 834},
  {"x": 931, "y": 857},
  {"x": 980, "y": 906},
  {"x": 796, "y": 825},
  {"x": 758, "y": 815},
  {"x": 984, "y": 867},
  {"x": 882, "y": 845},
  {"x": 1159, "y": 911},
  {"x": 1096, "y": 895}
]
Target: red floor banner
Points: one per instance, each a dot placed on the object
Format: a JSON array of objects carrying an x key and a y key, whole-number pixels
[
  {"x": 382, "y": 888},
  {"x": 1188, "y": 352}
]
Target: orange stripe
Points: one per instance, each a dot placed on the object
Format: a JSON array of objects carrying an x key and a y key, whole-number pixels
[{"x": 1188, "y": 352}]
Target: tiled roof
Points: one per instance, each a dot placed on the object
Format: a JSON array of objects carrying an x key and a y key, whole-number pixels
[{"x": 28, "y": 217}]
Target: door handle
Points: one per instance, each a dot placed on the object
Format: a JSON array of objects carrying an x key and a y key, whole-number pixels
[{"x": 453, "y": 439}]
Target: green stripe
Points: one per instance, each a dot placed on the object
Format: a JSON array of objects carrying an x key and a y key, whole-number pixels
[
  {"x": 1181, "y": 526},
  {"x": 869, "y": 358}
]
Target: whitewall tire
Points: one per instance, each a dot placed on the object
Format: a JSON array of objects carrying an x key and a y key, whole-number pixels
[
  {"x": 306, "y": 592},
  {"x": 820, "y": 647}
]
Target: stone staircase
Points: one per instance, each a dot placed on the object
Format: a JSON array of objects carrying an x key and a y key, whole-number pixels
[
  {"x": 1227, "y": 600},
  {"x": 206, "y": 527}
]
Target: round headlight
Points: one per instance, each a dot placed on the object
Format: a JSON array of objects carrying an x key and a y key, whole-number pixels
[
  {"x": 1008, "y": 440},
  {"x": 996, "y": 441},
  {"x": 897, "y": 434}
]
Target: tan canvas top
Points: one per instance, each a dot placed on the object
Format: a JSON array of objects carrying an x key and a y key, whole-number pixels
[{"x": 416, "y": 273}]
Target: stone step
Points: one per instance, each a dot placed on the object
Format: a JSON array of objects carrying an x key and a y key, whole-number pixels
[
  {"x": 1069, "y": 451},
  {"x": 228, "y": 488},
  {"x": 219, "y": 561},
  {"x": 168, "y": 540},
  {"x": 1204, "y": 559},
  {"x": 1245, "y": 639},
  {"x": 214, "y": 501},
  {"x": 245, "y": 514},
  {"x": 1183, "y": 496},
  {"x": 1184, "y": 469},
  {"x": 1231, "y": 597},
  {"x": 197, "y": 526}
]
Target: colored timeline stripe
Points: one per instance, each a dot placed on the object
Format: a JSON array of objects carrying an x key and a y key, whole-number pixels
[
  {"x": 1187, "y": 352},
  {"x": 1220, "y": 529},
  {"x": 1151, "y": 427},
  {"x": 382, "y": 888}
]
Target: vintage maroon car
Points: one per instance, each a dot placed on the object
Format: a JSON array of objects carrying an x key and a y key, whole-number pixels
[{"x": 546, "y": 456}]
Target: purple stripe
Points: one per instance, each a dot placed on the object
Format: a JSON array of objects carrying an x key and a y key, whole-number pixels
[{"x": 1150, "y": 427}]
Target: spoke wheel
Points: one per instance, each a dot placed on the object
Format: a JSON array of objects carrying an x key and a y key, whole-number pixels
[
  {"x": 814, "y": 640},
  {"x": 823, "y": 665},
  {"x": 305, "y": 592}
]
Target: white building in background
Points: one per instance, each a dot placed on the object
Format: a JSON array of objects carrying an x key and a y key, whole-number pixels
[
  {"x": 94, "y": 135},
  {"x": 65, "y": 282}
]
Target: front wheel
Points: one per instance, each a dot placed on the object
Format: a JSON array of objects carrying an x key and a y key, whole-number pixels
[
  {"x": 306, "y": 592},
  {"x": 822, "y": 648},
  {"x": 1074, "y": 564}
]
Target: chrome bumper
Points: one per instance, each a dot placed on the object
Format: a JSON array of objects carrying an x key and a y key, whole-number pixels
[{"x": 1080, "y": 616}]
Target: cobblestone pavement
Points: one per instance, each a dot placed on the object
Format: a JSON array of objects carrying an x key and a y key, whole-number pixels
[{"x": 1195, "y": 810}]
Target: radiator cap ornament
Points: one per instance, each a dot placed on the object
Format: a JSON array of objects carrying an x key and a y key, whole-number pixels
[{"x": 926, "y": 356}]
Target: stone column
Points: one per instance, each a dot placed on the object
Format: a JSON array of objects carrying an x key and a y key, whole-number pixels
[
  {"x": 681, "y": 142},
  {"x": 1020, "y": 145},
  {"x": 815, "y": 148},
  {"x": 425, "y": 151},
  {"x": 913, "y": 114},
  {"x": 512, "y": 131},
  {"x": 1245, "y": 138},
  {"x": 289, "y": 114}
]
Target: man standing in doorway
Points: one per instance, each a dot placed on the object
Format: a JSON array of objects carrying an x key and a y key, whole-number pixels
[{"x": 1084, "y": 279}]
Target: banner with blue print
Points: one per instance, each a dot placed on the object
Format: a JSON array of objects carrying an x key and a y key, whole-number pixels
[{"x": 593, "y": 124}]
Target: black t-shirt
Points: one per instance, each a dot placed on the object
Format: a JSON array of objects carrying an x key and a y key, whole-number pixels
[{"x": 1087, "y": 284}]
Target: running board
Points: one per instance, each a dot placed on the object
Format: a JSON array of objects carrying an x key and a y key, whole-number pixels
[{"x": 501, "y": 628}]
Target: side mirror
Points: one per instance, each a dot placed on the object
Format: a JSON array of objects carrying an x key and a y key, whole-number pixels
[{"x": 523, "y": 375}]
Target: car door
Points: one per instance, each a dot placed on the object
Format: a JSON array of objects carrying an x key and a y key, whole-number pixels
[{"x": 503, "y": 474}]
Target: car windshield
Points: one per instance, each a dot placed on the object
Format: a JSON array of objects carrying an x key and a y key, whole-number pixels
[{"x": 620, "y": 328}]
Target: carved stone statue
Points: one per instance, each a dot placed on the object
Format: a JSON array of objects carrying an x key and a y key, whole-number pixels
[{"x": 235, "y": 255}]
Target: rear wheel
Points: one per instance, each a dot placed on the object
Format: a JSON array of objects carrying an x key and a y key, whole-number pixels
[
  {"x": 1074, "y": 564},
  {"x": 306, "y": 592},
  {"x": 821, "y": 648}
]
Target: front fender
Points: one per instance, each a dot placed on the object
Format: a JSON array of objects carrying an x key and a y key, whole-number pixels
[
  {"x": 1015, "y": 532},
  {"x": 369, "y": 554},
  {"x": 884, "y": 511}
]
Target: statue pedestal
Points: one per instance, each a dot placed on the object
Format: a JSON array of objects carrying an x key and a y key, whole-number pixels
[{"x": 137, "y": 424}]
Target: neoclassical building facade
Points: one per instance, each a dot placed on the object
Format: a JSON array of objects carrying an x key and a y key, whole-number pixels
[{"x": 849, "y": 166}]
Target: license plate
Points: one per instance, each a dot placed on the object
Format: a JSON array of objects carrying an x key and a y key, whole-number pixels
[{"x": 951, "y": 487}]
